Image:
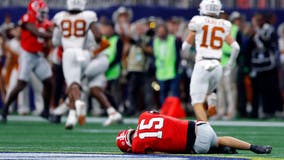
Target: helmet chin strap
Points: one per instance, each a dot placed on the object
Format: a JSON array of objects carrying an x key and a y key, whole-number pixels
[
  {"x": 213, "y": 15},
  {"x": 75, "y": 11},
  {"x": 210, "y": 15}
]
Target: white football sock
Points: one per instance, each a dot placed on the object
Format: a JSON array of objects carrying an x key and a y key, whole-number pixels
[{"x": 110, "y": 111}]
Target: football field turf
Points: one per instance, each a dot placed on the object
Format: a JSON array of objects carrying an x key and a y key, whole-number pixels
[{"x": 31, "y": 134}]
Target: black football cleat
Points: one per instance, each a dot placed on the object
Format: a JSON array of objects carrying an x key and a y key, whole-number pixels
[
  {"x": 56, "y": 119},
  {"x": 44, "y": 114},
  {"x": 261, "y": 149},
  {"x": 4, "y": 115},
  {"x": 4, "y": 119},
  {"x": 69, "y": 127}
]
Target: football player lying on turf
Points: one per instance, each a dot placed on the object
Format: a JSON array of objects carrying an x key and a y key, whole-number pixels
[{"x": 158, "y": 133}]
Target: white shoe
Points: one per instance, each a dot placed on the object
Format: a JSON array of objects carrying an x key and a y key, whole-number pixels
[
  {"x": 36, "y": 112},
  {"x": 113, "y": 118},
  {"x": 215, "y": 117},
  {"x": 71, "y": 119},
  {"x": 212, "y": 104},
  {"x": 212, "y": 99},
  {"x": 81, "y": 111},
  {"x": 96, "y": 108},
  {"x": 229, "y": 116},
  {"x": 61, "y": 109},
  {"x": 22, "y": 110}
]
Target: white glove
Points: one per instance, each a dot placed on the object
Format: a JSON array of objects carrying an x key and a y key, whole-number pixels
[{"x": 185, "y": 49}]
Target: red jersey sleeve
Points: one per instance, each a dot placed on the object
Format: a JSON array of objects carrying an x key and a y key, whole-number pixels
[
  {"x": 48, "y": 24},
  {"x": 60, "y": 53},
  {"x": 27, "y": 18}
]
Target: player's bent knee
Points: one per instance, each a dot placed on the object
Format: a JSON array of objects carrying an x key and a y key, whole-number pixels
[
  {"x": 74, "y": 89},
  {"x": 75, "y": 86}
]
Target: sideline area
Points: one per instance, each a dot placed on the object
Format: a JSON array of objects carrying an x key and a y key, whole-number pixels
[
  {"x": 67, "y": 156},
  {"x": 134, "y": 121}
]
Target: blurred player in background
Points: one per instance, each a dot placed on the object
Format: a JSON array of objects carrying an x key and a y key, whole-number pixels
[
  {"x": 209, "y": 34},
  {"x": 72, "y": 31},
  {"x": 118, "y": 34},
  {"x": 158, "y": 133},
  {"x": 2, "y": 52},
  {"x": 227, "y": 93},
  {"x": 11, "y": 72},
  {"x": 35, "y": 33},
  {"x": 262, "y": 48}
]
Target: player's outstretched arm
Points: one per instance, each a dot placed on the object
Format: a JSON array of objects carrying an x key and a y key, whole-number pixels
[
  {"x": 96, "y": 32},
  {"x": 242, "y": 145},
  {"x": 187, "y": 44},
  {"x": 56, "y": 37},
  {"x": 98, "y": 38},
  {"x": 235, "y": 49},
  {"x": 32, "y": 28}
]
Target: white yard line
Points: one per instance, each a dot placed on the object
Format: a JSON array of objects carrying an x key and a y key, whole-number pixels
[
  {"x": 67, "y": 156},
  {"x": 99, "y": 130},
  {"x": 134, "y": 121},
  {"x": 87, "y": 156}
]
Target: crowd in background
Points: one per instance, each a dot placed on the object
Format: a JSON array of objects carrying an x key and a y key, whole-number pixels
[
  {"x": 98, "y": 4},
  {"x": 147, "y": 66}
]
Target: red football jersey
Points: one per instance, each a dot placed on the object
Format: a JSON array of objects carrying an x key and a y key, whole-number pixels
[
  {"x": 160, "y": 133},
  {"x": 60, "y": 53},
  {"x": 30, "y": 42}
]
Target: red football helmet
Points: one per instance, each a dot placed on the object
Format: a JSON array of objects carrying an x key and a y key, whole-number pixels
[
  {"x": 38, "y": 8},
  {"x": 123, "y": 141}
]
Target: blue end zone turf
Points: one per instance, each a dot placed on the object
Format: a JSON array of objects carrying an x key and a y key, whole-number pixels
[{"x": 87, "y": 156}]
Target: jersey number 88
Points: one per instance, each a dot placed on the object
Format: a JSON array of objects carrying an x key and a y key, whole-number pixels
[{"x": 76, "y": 28}]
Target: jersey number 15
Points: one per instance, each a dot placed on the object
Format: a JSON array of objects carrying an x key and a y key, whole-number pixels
[{"x": 159, "y": 123}]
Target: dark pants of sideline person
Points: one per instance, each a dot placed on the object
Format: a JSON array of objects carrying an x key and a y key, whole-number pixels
[{"x": 266, "y": 93}]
